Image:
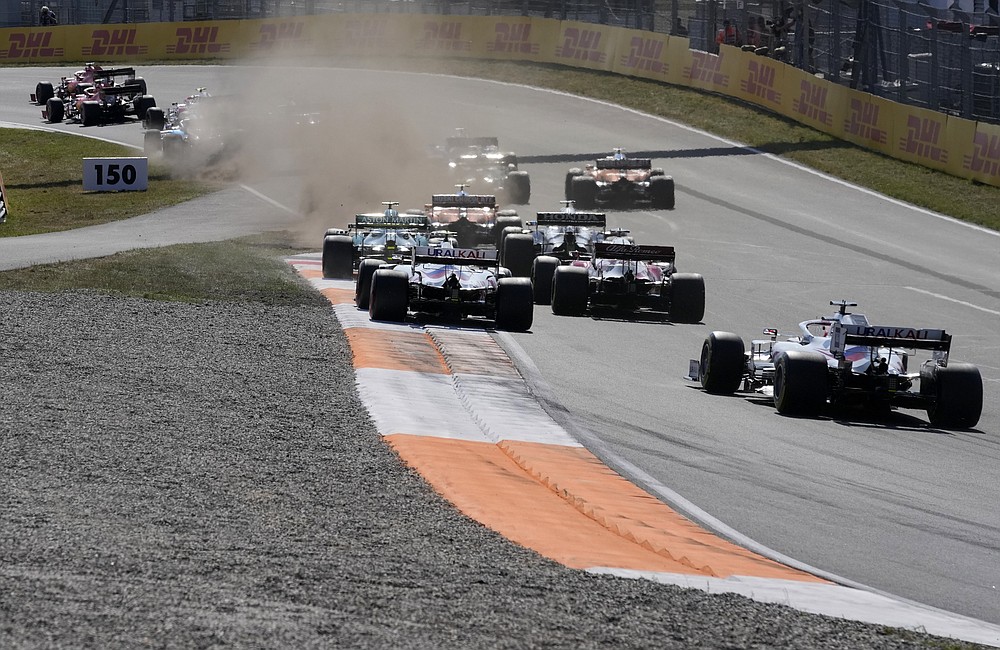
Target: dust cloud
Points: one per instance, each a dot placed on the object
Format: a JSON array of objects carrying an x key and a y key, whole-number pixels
[{"x": 323, "y": 149}]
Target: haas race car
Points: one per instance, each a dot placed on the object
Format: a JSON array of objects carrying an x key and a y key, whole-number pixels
[
  {"x": 843, "y": 360},
  {"x": 478, "y": 161},
  {"x": 630, "y": 277},
  {"x": 620, "y": 181},
  {"x": 451, "y": 283}
]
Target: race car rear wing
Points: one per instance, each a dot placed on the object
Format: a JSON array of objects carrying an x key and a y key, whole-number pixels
[
  {"x": 634, "y": 252},
  {"x": 463, "y": 201},
  {"x": 110, "y": 73},
  {"x": 465, "y": 256},
  {"x": 127, "y": 89},
  {"x": 362, "y": 221},
  {"x": 883, "y": 336},
  {"x": 595, "y": 219},
  {"x": 625, "y": 163}
]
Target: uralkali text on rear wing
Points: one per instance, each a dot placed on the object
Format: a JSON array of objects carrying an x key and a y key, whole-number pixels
[
  {"x": 594, "y": 219},
  {"x": 634, "y": 252},
  {"x": 469, "y": 256},
  {"x": 884, "y": 336}
]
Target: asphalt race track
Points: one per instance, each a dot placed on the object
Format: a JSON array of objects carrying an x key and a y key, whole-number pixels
[{"x": 888, "y": 502}]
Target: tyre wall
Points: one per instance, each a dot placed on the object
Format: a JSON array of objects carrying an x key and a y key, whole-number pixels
[{"x": 961, "y": 147}]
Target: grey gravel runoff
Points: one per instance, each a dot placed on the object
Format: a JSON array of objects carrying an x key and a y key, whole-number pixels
[{"x": 204, "y": 476}]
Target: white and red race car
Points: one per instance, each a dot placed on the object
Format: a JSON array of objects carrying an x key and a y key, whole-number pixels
[
  {"x": 451, "y": 282},
  {"x": 843, "y": 360}
]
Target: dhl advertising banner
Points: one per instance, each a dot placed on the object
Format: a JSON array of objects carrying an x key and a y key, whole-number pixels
[
  {"x": 981, "y": 160},
  {"x": 582, "y": 45},
  {"x": 641, "y": 54},
  {"x": 919, "y": 136},
  {"x": 813, "y": 101},
  {"x": 954, "y": 145}
]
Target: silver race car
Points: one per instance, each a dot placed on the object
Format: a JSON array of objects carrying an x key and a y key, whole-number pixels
[{"x": 841, "y": 360}]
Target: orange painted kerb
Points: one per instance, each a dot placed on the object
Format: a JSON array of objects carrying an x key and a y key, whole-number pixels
[
  {"x": 560, "y": 501},
  {"x": 395, "y": 350}
]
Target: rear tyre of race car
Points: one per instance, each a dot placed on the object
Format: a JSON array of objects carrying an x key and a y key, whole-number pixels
[
  {"x": 90, "y": 113},
  {"x": 584, "y": 192},
  {"x": 517, "y": 253},
  {"x": 55, "y": 109},
  {"x": 515, "y": 306},
  {"x": 338, "y": 257},
  {"x": 542, "y": 270},
  {"x": 509, "y": 230},
  {"x": 142, "y": 104},
  {"x": 44, "y": 92},
  {"x": 570, "y": 286},
  {"x": 151, "y": 143},
  {"x": 661, "y": 192},
  {"x": 518, "y": 187},
  {"x": 388, "y": 300},
  {"x": 142, "y": 84},
  {"x": 956, "y": 393},
  {"x": 155, "y": 118},
  {"x": 723, "y": 361},
  {"x": 570, "y": 175},
  {"x": 800, "y": 383},
  {"x": 687, "y": 297},
  {"x": 363, "y": 288},
  {"x": 505, "y": 221}
]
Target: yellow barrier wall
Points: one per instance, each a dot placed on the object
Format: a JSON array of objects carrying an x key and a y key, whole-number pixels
[{"x": 961, "y": 147}]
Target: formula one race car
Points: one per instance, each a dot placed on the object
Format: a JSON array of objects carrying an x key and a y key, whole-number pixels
[
  {"x": 473, "y": 217},
  {"x": 184, "y": 124},
  {"x": 372, "y": 240},
  {"x": 621, "y": 181},
  {"x": 452, "y": 282},
  {"x": 627, "y": 276},
  {"x": 95, "y": 96},
  {"x": 478, "y": 162},
  {"x": 843, "y": 360}
]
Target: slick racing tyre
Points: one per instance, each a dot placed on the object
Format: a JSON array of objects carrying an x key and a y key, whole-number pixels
[
  {"x": 90, "y": 113},
  {"x": 800, "y": 383},
  {"x": 570, "y": 287},
  {"x": 584, "y": 192},
  {"x": 956, "y": 394},
  {"x": 504, "y": 221},
  {"x": 542, "y": 270},
  {"x": 142, "y": 85},
  {"x": 661, "y": 192},
  {"x": 517, "y": 253},
  {"x": 44, "y": 92},
  {"x": 570, "y": 175},
  {"x": 338, "y": 257},
  {"x": 723, "y": 361},
  {"x": 687, "y": 297},
  {"x": 388, "y": 300},
  {"x": 363, "y": 288},
  {"x": 155, "y": 118},
  {"x": 515, "y": 307},
  {"x": 142, "y": 104},
  {"x": 518, "y": 187},
  {"x": 55, "y": 109}
]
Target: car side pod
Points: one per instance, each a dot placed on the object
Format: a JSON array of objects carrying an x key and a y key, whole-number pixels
[{"x": 800, "y": 383}]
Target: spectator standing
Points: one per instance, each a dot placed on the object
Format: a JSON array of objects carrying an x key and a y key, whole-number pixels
[{"x": 47, "y": 17}]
